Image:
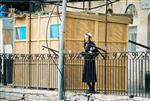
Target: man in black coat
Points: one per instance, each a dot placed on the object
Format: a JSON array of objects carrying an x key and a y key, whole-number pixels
[{"x": 89, "y": 70}]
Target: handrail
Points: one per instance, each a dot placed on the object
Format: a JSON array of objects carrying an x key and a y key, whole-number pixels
[{"x": 139, "y": 44}]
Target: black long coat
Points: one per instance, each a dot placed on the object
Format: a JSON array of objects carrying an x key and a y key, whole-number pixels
[{"x": 89, "y": 70}]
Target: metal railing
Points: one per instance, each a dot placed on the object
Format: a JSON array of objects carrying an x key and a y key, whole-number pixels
[
  {"x": 30, "y": 71},
  {"x": 119, "y": 73},
  {"x": 122, "y": 74}
]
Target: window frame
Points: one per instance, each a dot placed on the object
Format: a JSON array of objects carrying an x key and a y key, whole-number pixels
[
  {"x": 20, "y": 39},
  {"x": 132, "y": 33},
  {"x": 148, "y": 31},
  {"x": 51, "y": 35}
]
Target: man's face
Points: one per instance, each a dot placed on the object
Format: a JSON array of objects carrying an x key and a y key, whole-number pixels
[{"x": 86, "y": 38}]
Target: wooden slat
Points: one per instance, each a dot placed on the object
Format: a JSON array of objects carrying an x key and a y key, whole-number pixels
[{"x": 116, "y": 18}]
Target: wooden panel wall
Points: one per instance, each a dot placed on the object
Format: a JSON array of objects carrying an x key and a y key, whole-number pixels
[
  {"x": 77, "y": 24},
  {"x": 38, "y": 34},
  {"x": 117, "y": 31},
  {"x": 38, "y": 73},
  {"x": 117, "y": 41},
  {"x": 43, "y": 74}
]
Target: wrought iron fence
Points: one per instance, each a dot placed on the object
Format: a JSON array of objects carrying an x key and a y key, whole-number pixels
[
  {"x": 30, "y": 71},
  {"x": 119, "y": 73}
]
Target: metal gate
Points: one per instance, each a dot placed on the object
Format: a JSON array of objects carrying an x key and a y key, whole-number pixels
[{"x": 6, "y": 69}]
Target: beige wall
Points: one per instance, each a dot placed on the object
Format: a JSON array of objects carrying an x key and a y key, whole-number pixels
[{"x": 142, "y": 26}]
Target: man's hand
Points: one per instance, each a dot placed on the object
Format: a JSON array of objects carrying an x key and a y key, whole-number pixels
[{"x": 90, "y": 52}]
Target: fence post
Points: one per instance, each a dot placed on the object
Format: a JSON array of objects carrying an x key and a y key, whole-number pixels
[{"x": 106, "y": 18}]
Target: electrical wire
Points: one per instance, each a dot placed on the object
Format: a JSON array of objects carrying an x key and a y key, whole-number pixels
[
  {"x": 47, "y": 40},
  {"x": 67, "y": 6},
  {"x": 92, "y": 8},
  {"x": 48, "y": 26},
  {"x": 104, "y": 4}
]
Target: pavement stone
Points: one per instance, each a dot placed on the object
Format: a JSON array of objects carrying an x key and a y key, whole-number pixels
[{"x": 21, "y": 94}]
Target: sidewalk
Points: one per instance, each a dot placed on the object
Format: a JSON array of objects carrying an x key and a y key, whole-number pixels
[
  {"x": 102, "y": 97},
  {"x": 18, "y": 94}
]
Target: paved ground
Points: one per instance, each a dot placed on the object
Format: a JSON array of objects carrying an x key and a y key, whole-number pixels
[{"x": 18, "y": 94}]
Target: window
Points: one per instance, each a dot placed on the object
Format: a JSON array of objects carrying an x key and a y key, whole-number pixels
[
  {"x": 132, "y": 37},
  {"x": 148, "y": 33},
  {"x": 21, "y": 33},
  {"x": 145, "y": 4},
  {"x": 7, "y": 36},
  {"x": 54, "y": 30}
]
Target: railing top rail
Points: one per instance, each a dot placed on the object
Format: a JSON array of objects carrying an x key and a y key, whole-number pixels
[{"x": 110, "y": 55}]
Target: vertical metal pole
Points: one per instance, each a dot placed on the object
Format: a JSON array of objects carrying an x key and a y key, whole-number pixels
[
  {"x": 61, "y": 53},
  {"x": 83, "y": 5},
  {"x": 30, "y": 10},
  {"x": 126, "y": 2},
  {"x": 1, "y": 51},
  {"x": 89, "y": 8},
  {"x": 106, "y": 42},
  {"x": 1, "y": 37}
]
